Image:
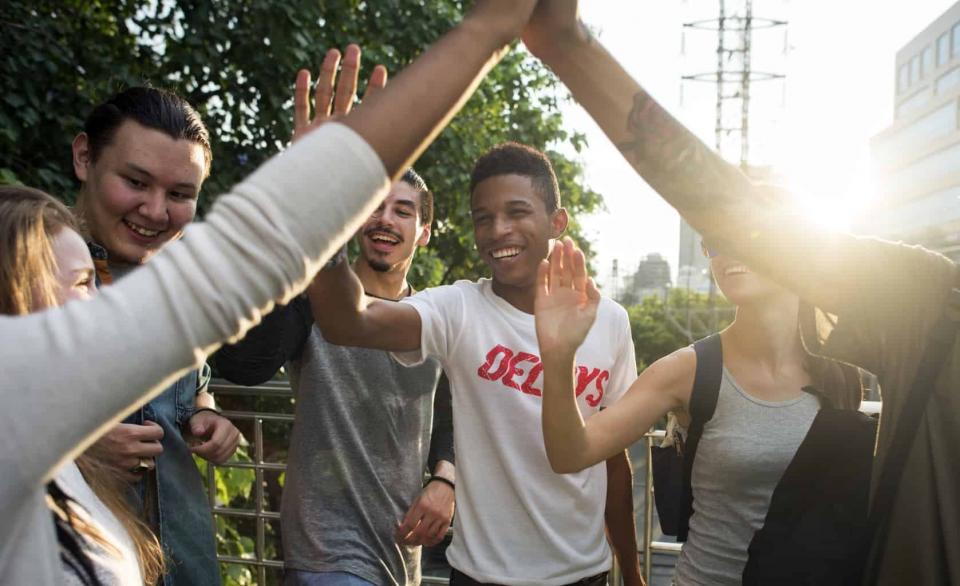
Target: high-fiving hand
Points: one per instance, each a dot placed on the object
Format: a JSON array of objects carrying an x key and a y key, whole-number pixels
[
  {"x": 327, "y": 105},
  {"x": 567, "y": 300}
]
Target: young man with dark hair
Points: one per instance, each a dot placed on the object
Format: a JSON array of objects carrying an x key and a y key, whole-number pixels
[
  {"x": 355, "y": 510},
  {"x": 895, "y": 306},
  {"x": 141, "y": 160},
  {"x": 518, "y": 522}
]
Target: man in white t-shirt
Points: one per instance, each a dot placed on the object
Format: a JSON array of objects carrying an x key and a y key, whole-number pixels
[{"x": 518, "y": 522}]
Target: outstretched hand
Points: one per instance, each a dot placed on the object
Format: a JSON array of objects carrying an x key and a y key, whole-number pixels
[
  {"x": 567, "y": 300},
  {"x": 328, "y": 105}
]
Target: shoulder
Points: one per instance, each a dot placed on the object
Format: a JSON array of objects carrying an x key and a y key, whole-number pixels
[
  {"x": 674, "y": 374},
  {"x": 612, "y": 312}
]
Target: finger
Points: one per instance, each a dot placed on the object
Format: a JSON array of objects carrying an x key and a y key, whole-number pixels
[
  {"x": 410, "y": 521},
  {"x": 377, "y": 81},
  {"x": 206, "y": 450},
  {"x": 543, "y": 278},
  {"x": 324, "y": 90},
  {"x": 556, "y": 266},
  {"x": 148, "y": 450},
  {"x": 418, "y": 535},
  {"x": 147, "y": 432},
  {"x": 592, "y": 292},
  {"x": 579, "y": 268},
  {"x": 347, "y": 85},
  {"x": 301, "y": 101},
  {"x": 566, "y": 274}
]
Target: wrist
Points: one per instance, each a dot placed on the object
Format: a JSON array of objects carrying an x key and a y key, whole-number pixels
[
  {"x": 557, "y": 356},
  {"x": 562, "y": 43},
  {"x": 442, "y": 480},
  {"x": 493, "y": 34}
]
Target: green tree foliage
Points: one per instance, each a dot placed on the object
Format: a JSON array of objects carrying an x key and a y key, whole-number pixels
[
  {"x": 235, "y": 61},
  {"x": 661, "y": 326}
]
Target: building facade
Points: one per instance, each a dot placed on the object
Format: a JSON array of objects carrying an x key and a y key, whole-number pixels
[{"x": 917, "y": 158}]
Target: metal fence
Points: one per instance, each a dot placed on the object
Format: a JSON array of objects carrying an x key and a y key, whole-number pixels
[{"x": 262, "y": 520}]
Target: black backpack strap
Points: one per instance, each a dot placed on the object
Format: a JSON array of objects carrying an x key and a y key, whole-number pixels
[
  {"x": 939, "y": 343},
  {"x": 703, "y": 402}
]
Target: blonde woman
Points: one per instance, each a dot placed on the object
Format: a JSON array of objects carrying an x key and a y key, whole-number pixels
[{"x": 45, "y": 264}]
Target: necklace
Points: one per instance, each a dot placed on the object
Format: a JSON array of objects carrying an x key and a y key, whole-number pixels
[{"x": 405, "y": 293}]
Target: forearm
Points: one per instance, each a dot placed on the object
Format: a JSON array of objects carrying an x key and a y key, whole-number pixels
[
  {"x": 445, "y": 469},
  {"x": 441, "y": 436},
  {"x": 460, "y": 58},
  {"x": 264, "y": 350},
  {"x": 755, "y": 224},
  {"x": 337, "y": 302},
  {"x": 204, "y": 400},
  {"x": 619, "y": 516},
  {"x": 564, "y": 432}
]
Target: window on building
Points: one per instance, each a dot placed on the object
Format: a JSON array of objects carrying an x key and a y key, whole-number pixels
[
  {"x": 927, "y": 67},
  {"x": 955, "y": 33},
  {"x": 943, "y": 49},
  {"x": 903, "y": 79},
  {"x": 915, "y": 69}
]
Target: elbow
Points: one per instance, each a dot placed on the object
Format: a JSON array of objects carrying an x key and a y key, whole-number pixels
[{"x": 563, "y": 465}]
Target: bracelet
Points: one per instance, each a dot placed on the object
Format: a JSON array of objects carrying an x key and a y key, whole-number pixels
[
  {"x": 202, "y": 409},
  {"x": 446, "y": 481}
]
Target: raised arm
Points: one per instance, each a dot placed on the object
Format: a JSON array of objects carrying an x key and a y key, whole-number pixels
[
  {"x": 348, "y": 318},
  {"x": 259, "y": 245},
  {"x": 566, "y": 306},
  {"x": 755, "y": 224}
]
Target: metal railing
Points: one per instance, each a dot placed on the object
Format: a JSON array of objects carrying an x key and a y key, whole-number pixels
[{"x": 262, "y": 516}]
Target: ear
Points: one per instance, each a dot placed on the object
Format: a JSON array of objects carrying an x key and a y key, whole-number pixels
[
  {"x": 424, "y": 238},
  {"x": 81, "y": 156},
  {"x": 558, "y": 223}
]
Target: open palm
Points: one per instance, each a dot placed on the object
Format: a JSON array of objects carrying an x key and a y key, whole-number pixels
[{"x": 567, "y": 300}]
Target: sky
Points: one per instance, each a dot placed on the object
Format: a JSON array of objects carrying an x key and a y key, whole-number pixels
[{"x": 814, "y": 127}]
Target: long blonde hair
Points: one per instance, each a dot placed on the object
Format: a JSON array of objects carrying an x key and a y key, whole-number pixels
[{"x": 29, "y": 219}]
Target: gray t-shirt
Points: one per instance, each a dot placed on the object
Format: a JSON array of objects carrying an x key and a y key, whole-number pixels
[
  {"x": 360, "y": 442},
  {"x": 743, "y": 452}
]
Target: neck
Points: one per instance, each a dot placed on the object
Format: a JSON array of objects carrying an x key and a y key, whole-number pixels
[
  {"x": 520, "y": 297},
  {"x": 766, "y": 334},
  {"x": 391, "y": 284}
]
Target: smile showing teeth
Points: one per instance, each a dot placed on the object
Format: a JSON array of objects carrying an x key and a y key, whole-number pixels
[
  {"x": 141, "y": 230},
  {"x": 507, "y": 252},
  {"x": 736, "y": 270},
  {"x": 379, "y": 237}
]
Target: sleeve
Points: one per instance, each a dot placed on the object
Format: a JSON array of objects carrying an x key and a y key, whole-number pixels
[
  {"x": 625, "y": 368},
  {"x": 83, "y": 365},
  {"x": 441, "y": 312},
  {"x": 260, "y": 354},
  {"x": 441, "y": 438}
]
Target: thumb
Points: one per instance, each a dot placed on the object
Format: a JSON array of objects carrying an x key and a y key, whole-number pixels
[{"x": 197, "y": 426}]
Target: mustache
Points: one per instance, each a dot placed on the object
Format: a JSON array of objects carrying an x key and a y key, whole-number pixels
[{"x": 385, "y": 230}]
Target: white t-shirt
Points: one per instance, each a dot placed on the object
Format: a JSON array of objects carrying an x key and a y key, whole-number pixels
[{"x": 518, "y": 522}]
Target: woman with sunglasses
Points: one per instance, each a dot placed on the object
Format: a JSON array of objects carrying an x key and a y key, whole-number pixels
[{"x": 762, "y": 413}]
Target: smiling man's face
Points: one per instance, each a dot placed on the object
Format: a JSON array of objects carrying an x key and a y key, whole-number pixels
[
  {"x": 140, "y": 192},
  {"x": 390, "y": 236},
  {"x": 512, "y": 227}
]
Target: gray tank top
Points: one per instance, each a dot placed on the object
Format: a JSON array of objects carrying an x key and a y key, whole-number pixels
[{"x": 743, "y": 452}]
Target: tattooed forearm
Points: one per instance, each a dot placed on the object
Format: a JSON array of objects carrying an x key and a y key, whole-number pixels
[{"x": 683, "y": 170}]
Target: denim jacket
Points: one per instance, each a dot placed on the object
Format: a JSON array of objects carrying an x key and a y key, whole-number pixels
[{"x": 171, "y": 497}]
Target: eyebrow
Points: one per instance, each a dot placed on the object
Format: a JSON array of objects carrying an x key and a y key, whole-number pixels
[
  {"x": 138, "y": 169},
  {"x": 406, "y": 202}
]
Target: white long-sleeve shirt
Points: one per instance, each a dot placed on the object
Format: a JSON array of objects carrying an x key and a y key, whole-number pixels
[{"x": 70, "y": 372}]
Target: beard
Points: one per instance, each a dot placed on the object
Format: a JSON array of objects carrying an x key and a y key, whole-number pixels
[{"x": 378, "y": 265}]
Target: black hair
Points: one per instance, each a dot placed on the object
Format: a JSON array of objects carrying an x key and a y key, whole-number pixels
[
  {"x": 414, "y": 180},
  {"x": 151, "y": 107},
  {"x": 513, "y": 158}
]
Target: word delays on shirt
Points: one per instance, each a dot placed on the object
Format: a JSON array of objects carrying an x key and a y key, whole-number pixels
[{"x": 520, "y": 371}]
